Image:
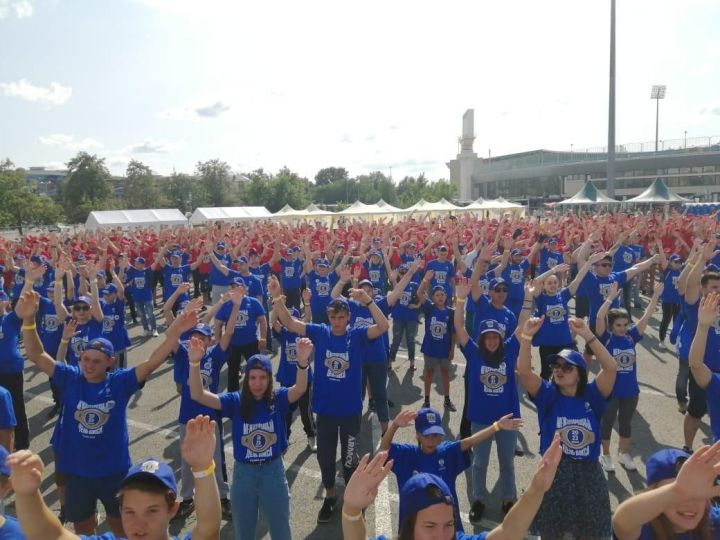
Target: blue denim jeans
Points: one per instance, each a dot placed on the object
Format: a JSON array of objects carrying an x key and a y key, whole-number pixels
[
  {"x": 376, "y": 374},
  {"x": 147, "y": 316},
  {"x": 261, "y": 488},
  {"x": 505, "y": 441},
  {"x": 409, "y": 330}
]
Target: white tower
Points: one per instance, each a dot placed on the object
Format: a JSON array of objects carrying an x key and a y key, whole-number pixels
[{"x": 467, "y": 158}]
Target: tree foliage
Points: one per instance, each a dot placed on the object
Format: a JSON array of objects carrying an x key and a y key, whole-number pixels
[
  {"x": 331, "y": 175},
  {"x": 215, "y": 176},
  {"x": 86, "y": 188},
  {"x": 184, "y": 192},
  {"x": 141, "y": 189}
]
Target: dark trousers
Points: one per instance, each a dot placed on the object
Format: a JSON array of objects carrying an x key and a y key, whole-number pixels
[
  {"x": 627, "y": 297},
  {"x": 465, "y": 430},
  {"x": 292, "y": 298},
  {"x": 328, "y": 430},
  {"x": 306, "y": 414},
  {"x": 669, "y": 312},
  {"x": 131, "y": 304},
  {"x": 13, "y": 383},
  {"x": 237, "y": 353}
]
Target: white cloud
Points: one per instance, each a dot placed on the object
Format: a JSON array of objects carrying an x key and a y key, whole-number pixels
[
  {"x": 54, "y": 94},
  {"x": 196, "y": 111},
  {"x": 69, "y": 142},
  {"x": 17, "y": 8},
  {"x": 149, "y": 147}
]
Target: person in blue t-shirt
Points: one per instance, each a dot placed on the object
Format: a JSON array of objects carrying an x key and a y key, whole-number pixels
[
  {"x": 550, "y": 255},
  {"x": 219, "y": 282},
  {"x": 512, "y": 268},
  {"x": 404, "y": 313},
  {"x": 320, "y": 280},
  {"x": 572, "y": 406},
  {"x": 337, "y": 399},
  {"x": 257, "y": 413},
  {"x": 707, "y": 379},
  {"x": 253, "y": 283},
  {"x": 94, "y": 418},
  {"x": 620, "y": 340},
  {"x": 377, "y": 266},
  {"x": 291, "y": 273},
  {"x": 443, "y": 272},
  {"x": 147, "y": 494},
  {"x": 9, "y": 526},
  {"x": 438, "y": 346},
  {"x": 427, "y": 506},
  {"x": 446, "y": 459},
  {"x": 11, "y": 368},
  {"x": 7, "y": 420},
  {"x": 679, "y": 500},
  {"x": 138, "y": 280},
  {"x": 670, "y": 269},
  {"x": 113, "y": 324},
  {"x": 175, "y": 272}
]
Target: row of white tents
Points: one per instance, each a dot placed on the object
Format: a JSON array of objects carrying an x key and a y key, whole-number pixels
[{"x": 173, "y": 217}]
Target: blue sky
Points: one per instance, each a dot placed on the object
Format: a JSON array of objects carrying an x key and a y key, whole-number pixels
[{"x": 367, "y": 86}]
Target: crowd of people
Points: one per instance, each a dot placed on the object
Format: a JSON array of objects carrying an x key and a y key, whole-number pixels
[{"x": 548, "y": 306}]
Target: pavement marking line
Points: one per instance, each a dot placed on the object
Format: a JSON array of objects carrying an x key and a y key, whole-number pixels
[{"x": 383, "y": 516}]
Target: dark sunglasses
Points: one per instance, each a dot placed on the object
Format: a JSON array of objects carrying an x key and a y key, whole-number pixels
[
  {"x": 81, "y": 308},
  {"x": 501, "y": 289},
  {"x": 605, "y": 264},
  {"x": 565, "y": 368}
]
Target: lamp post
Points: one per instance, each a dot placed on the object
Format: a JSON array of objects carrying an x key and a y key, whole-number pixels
[
  {"x": 657, "y": 93},
  {"x": 685, "y": 144},
  {"x": 610, "y": 187}
]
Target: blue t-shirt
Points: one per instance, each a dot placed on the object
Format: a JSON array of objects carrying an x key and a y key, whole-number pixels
[
  {"x": 246, "y": 324},
  {"x": 376, "y": 350},
  {"x": 291, "y": 273},
  {"x": 400, "y": 310},
  {"x": 94, "y": 440},
  {"x": 84, "y": 333},
  {"x": 577, "y": 419},
  {"x": 439, "y": 328},
  {"x": 555, "y": 329},
  {"x": 173, "y": 277},
  {"x": 514, "y": 275},
  {"x": 11, "y": 530},
  {"x": 670, "y": 294},
  {"x": 549, "y": 259},
  {"x": 113, "y": 324},
  {"x": 261, "y": 272},
  {"x": 624, "y": 258},
  {"x": 320, "y": 287},
  {"x": 11, "y": 361},
  {"x": 337, "y": 387},
  {"x": 484, "y": 309},
  {"x": 492, "y": 390},
  {"x": 712, "y": 358},
  {"x": 622, "y": 349},
  {"x": 377, "y": 276},
  {"x": 287, "y": 367},
  {"x": 7, "y": 412},
  {"x": 253, "y": 286},
  {"x": 447, "y": 462},
  {"x": 712, "y": 395},
  {"x": 263, "y": 437},
  {"x": 210, "y": 367},
  {"x": 597, "y": 288},
  {"x": 139, "y": 283},
  {"x": 49, "y": 326},
  {"x": 216, "y": 276},
  {"x": 444, "y": 272}
]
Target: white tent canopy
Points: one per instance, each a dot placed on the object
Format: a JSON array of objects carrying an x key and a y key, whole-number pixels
[
  {"x": 228, "y": 213},
  {"x": 160, "y": 217}
]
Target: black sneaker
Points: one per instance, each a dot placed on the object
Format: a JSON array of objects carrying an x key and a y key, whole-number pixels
[
  {"x": 225, "y": 508},
  {"x": 449, "y": 405},
  {"x": 371, "y": 405},
  {"x": 53, "y": 412},
  {"x": 476, "y": 512},
  {"x": 327, "y": 510},
  {"x": 506, "y": 506},
  {"x": 61, "y": 515},
  {"x": 185, "y": 508},
  {"x": 688, "y": 450},
  {"x": 391, "y": 404},
  {"x": 426, "y": 403}
]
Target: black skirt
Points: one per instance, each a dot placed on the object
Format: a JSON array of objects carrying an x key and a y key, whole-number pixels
[{"x": 577, "y": 504}]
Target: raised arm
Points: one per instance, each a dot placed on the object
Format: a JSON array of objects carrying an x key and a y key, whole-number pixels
[
  {"x": 96, "y": 308},
  {"x": 605, "y": 379},
  {"x": 361, "y": 491},
  {"x": 707, "y": 315},
  {"x": 650, "y": 309},
  {"x": 462, "y": 290},
  {"x": 304, "y": 348},
  {"x": 184, "y": 322},
  {"x": 403, "y": 419},
  {"x": 505, "y": 423},
  {"x": 26, "y": 310},
  {"x": 601, "y": 320},
  {"x": 344, "y": 277},
  {"x": 641, "y": 267},
  {"x": 381, "y": 323},
  {"x": 283, "y": 315},
  {"x": 196, "y": 352},
  {"x": 583, "y": 270},
  {"x": 531, "y": 380},
  {"x": 400, "y": 286}
]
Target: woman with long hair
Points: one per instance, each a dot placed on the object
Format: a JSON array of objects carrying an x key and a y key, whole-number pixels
[{"x": 258, "y": 413}]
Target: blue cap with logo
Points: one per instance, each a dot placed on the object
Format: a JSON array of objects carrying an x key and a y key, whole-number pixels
[
  {"x": 259, "y": 361},
  {"x": 140, "y": 260},
  {"x": 339, "y": 303},
  {"x": 365, "y": 282},
  {"x": 37, "y": 259},
  {"x": 490, "y": 325},
  {"x": 110, "y": 288},
  {"x": 152, "y": 468},
  {"x": 494, "y": 282},
  {"x": 177, "y": 254},
  {"x": 102, "y": 345},
  {"x": 676, "y": 258},
  {"x": 239, "y": 281},
  {"x": 421, "y": 491},
  {"x": 429, "y": 422},
  {"x": 83, "y": 300},
  {"x": 220, "y": 245},
  {"x": 664, "y": 464},
  {"x": 571, "y": 357},
  {"x": 242, "y": 259},
  {"x": 515, "y": 251},
  {"x": 322, "y": 262},
  {"x": 202, "y": 328}
]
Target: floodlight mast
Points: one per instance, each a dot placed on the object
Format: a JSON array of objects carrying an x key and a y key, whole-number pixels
[
  {"x": 657, "y": 93},
  {"x": 610, "y": 183}
]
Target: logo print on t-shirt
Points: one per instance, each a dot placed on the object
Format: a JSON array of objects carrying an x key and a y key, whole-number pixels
[
  {"x": 51, "y": 323},
  {"x": 92, "y": 417},
  {"x": 78, "y": 344},
  {"x": 176, "y": 280},
  {"x": 291, "y": 352},
  {"x": 440, "y": 276},
  {"x": 374, "y": 275},
  {"x": 242, "y": 318},
  {"x": 289, "y": 271},
  {"x": 438, "y": 328},
  {"x": 139, "y": 282},
  {"x": 405, "y": 298},
  {"x": 555, "y": 312},
  {"x": 258, "y": 439},
  {"x": 493, "y": 380},
  {"x": 323, "y": 288},
  {"x": 516, "y": 276},
  {"x": 337, "y": 364},
  {"x": 576, "y": 435},
  {"x": 108, "y": 324}
]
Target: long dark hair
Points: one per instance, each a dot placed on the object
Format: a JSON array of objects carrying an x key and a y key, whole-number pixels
[
  {"x": 493, "y": 359},
  {"x": 247, "y": 401}
]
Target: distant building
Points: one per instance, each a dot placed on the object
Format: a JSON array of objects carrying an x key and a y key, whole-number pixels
[
  {"x": 46, "y": 181},
  {"x": 690, "y": 167}
]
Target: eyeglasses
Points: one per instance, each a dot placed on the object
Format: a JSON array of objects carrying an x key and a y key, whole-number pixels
[
  {"x": 565, "y": 368},
  {"x": 605, "y": 264},
  {"x": 81, "y": 308},
  {"x": 501, "y": 289}
]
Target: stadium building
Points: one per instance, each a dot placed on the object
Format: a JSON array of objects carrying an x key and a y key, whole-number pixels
[{"x": 690, "y": 167}]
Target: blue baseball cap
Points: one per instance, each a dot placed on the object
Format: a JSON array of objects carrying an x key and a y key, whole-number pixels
[
  {"x": 516, "y": 251},
  {"x": 429, "y": 422},
  {"x": 404, "y": 268},
  {"x": 443, "y": 248},
  {"x": 571, "y": 357},
  {"x": 490, "y": 325},
  {"x": 376, "y": 239},
  {"x": 4, "y": 296},
  {"x": 411, "y": 245},
  {"x": 376, "y": 253},
  {"x": 421, "y": 491},
  {"x": 220, "y": 245},
  {"x": 322, "y": 262},
  {"x": 83, "y": 300},
  {"x": 152, "y": 468},
  {"x": 494, "y": 282},
  {"x": 242, "y": 259},
  {"x": 259, "y": 361},
  {"x": 664, "y": 464},
  {"x": 202, "y": 328},
  {"x": 177, "y": 254},
  {"x": 339, "y": 303},
  {"x": 552, "y": 241},
  {"x": 295, "y": 313},
  {"x": 20, "y": 257},
  {"x": 110, "y": 288},
  {"x": 437, "y": 288},
  {"x": 102, "y": 345},
  {"x": 4, "y": 469},
  {"x": 365, "y": 282},
  {"x": 140, "y": 260},
  {"x": 80, "y": 256},
  {"x": 712, "y": 268},
  {"x": 37, "y": 259},
  {"x": 676, "y": 258},
  {"x": 239, "y": 281}
]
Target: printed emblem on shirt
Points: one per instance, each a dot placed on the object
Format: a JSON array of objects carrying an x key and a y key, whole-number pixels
[
  {"x": 140, "y": 282},
  {"x": 576, "y": 434},
  {"x": 405, "y": 298},
  {"x": 176, "y": 280},
  {"x": 552, "y": 263},
  {"x": 289, "y": 271},
  {"x": 440, "y": 276},
  {"x": 337, "y": 364},
  {"x": 555, "y": 313},
  {"x": 242, "y": 318},
  {"x": 625, "y": 358},
  {"x": 604, "y": 289},
  {"x": 92, "y": 418},
  {"x": 374, "y": 275},
  {"x": 51, "y": 323},
  {"x": 363, "y": 322},
  {"x": 438, "y": 329},
  {"x": 494, "y": 379},
  {"x": 516, "y": 276},
  {"x": 291, "y": 352},
  {"x": 108, "y": 323},
  {"x": 484, "y": 285},
  {"x": 78, "y": 344},
  {"x": 322, "y": 287},
  {"x": 258, "y": 439},
  {"x": 628, "y": 257}
]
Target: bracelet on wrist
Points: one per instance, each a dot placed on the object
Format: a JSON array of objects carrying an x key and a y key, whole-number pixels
[
  {"x": 64, "y": 341},
  {"x": 32, "y": 326},
  {"x": 194, "y": 364},
  {"x": 348, "y": 517},
  {"x": 206, "y": 472},
  {"x": 370, "y": 303},
  {"x": 589, "y": 341},
  {"x": 303, "y": 367},
  {"x": 526, "y": 337},
  {"x": 496, "y": 426}
]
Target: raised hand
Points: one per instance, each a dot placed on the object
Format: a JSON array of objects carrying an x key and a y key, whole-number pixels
[
  {"x": 187, "y": 320},
  {"x": 359, "y": 295},
  {"x": 184, "y": 287},
  {"x": 696, "y": 478},
  {"x": 405, "y": 418},
  {"x": 545, "y": 472},
  {"x": 658, "y": 289},
  {"x": 580, "y": 328},
  {"x": 345, "y": 274},
  {"x": 462, "y": 288},
  {"x": 303, "y": 350},
  {"x": 596, "y": 257},
  {"x": 508, "y": 423},
  {"x": 26, "y": 469},
  {"x": 530, "y": 289},
  {"x": 362, "y": 488},
  {"x": 274, "y": 287},
  {"x": 532, "y": 325},
  {"x": 196, "y": 349},
  {"x": 613, "y": 291},
  {"x": 428, "y": 276},
  {"x": 560, "y": 268},
  {"x": 69, "y": 330},
  {"x": 707, "y": 313},
  {"x": 27, "y": 305},
  {"x": 198, "y": 446}
]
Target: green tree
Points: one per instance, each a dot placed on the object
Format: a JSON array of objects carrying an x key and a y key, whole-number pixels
[
  {"x": 410, "y": 190},
  {"x": 288, "y": 187},
  {"x": 331, "y": 175},
  {"x": 141, "y": 190},
  {"x": 215, "y": 177},
  {"x": 20, "y": 206},
  {"x": 86, "y": 188},
  {"x": 256, "y": 190},
  {"x": 375, "y": 186},
  {"x": 184, "y": 192}
]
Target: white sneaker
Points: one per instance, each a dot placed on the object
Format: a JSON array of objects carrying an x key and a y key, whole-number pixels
[
  {"x": 626, "y": 461},
  {"x": 312, "y": 444},
  {"x": 662, "y": 346},
  {"x": 155, "y": 333},
  {"x": 607, "y": 463}
]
